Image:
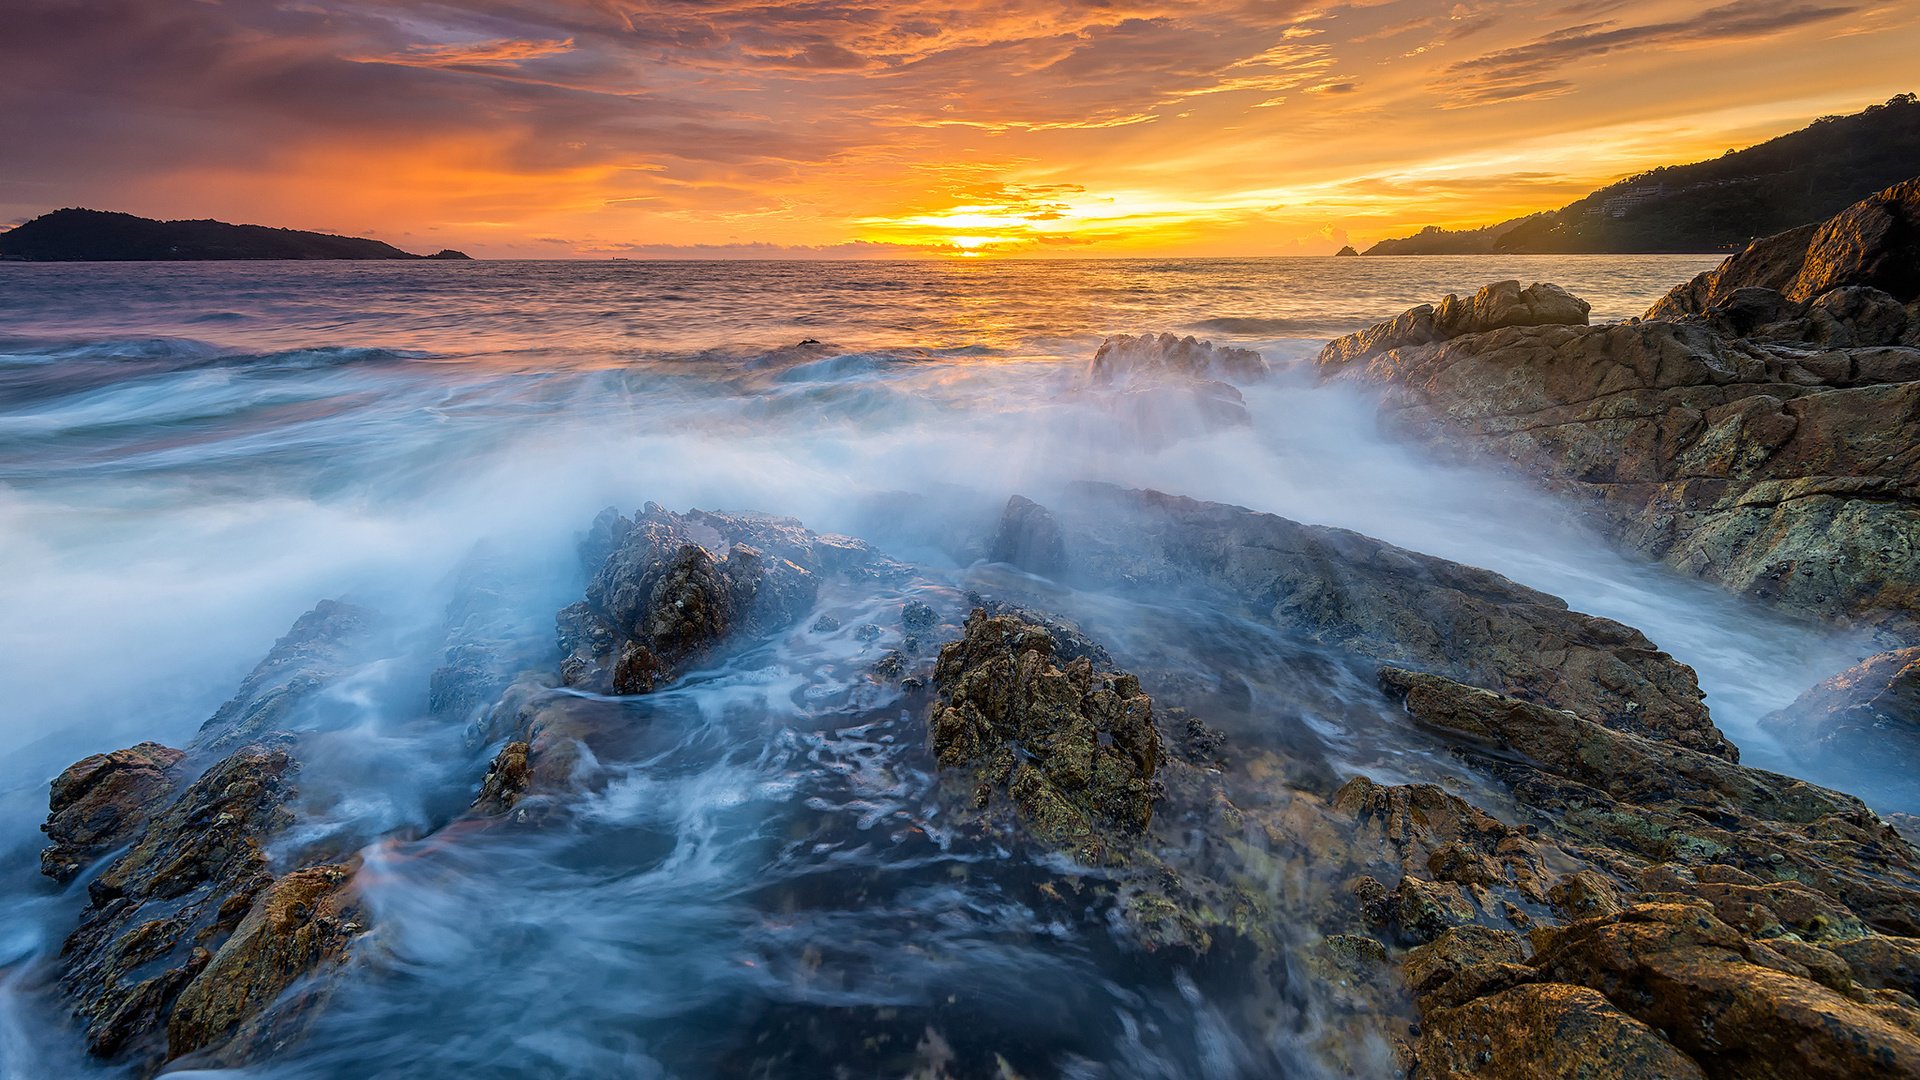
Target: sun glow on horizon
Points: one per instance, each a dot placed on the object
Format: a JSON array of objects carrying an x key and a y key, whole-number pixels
[{"x": 967, "y": 129}]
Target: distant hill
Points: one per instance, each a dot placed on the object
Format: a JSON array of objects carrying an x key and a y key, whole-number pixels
[
  {"x": 104, "y": 236},
  {"x": 1715, "y": 205}
]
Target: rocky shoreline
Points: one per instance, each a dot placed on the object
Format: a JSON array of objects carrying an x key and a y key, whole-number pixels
[{"x": 1605, "y": 892}]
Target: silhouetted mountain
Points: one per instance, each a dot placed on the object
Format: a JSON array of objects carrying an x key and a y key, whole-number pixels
[
  {"x": 1713, "y": 205},
  {"x": 104, "y": 236}
]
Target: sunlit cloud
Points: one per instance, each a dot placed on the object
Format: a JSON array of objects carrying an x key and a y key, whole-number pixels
[{"x": 746, "y": 128}]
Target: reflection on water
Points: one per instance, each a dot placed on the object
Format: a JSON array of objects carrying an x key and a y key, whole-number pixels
[{"x": 191, "y": 455}]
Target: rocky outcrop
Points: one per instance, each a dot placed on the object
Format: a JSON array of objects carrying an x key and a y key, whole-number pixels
[
  {"x": 1382, "y": 602},
  {"x": 1346, "y": 250},
  {"x": 1864, "y": 721},
  {"x": 1124, "y": 357},
  {"x": 1875, "y": 243},
  {"x": 1029, "y": 537},
  {"x": 670, "y": 587},
  {"x": 665, "y": 591},
  {"x": 1494, "y": 307},
  {"x": 1073, "y": 748},
  {"x": 1784, "y": 473},
  {"x": 1707, "y": 934},
  {"x": 192, "y": 945},
  {"x": 101, "y": 802},
  {"x": 310, "y": 657}
]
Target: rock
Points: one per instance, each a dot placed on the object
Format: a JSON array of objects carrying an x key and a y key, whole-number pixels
[
  {"x": 1634, "y": 803},
  {"x": 671, "y": 587},
  {"x": 1729, "y": 1002},
  {"x": 1346, "y": 250},
  {"x": 1865, "y": 720},
  {"x": 314, "y": 653},
  {"x": 1086, "y": 741},
  {"x": 301, "y": 926},
  {"x": 1875, "y": 243},
  {"x": 159, "y": 910},
  {"x": 1782, "y": 473},
  {"x": 103, "y": 801},
  {"x": 1029, "y": 538},
  {"x": 1545, "y": 1032},
  {"x": 1123, "y": 357},
  {"x": 1375, "y": 600},
  {"x": 667, "y": 590},
  {"x": 1501, "y": 304}
]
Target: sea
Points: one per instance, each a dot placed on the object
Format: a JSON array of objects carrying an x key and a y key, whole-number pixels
[{"x": 193, "y": 454}]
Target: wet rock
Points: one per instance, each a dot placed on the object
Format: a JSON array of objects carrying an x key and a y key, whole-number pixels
[
  {"x": 1086, "y": 744},
  {"x": 157, "y": 912},
  {"x": 312, "y": 655},
  {"x": 918, "y": 617},
  {"x": 1125, "y": 356},
  {"x": 669, "y": 590},
  {"x": 103, "y": 801},
  {"x": 1874, "y": 243},
  {"x": 671, "y": 587},
  {"x": 1499, "y": 305},
  {"x": 1866, "y": 720},
  {"x": 1352, "y": 592},
  {"x": 295, "y": 933},
  {"x": 1029, "y": 538}
]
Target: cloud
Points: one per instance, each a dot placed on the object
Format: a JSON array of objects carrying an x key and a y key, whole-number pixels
[{"x": 1527, "y": 71}]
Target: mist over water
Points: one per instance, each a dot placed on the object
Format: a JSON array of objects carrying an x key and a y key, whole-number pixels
[{"x": 192, "y": 454}]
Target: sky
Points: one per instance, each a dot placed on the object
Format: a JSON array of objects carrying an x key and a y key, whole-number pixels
[{"x": 890, "y": 128}]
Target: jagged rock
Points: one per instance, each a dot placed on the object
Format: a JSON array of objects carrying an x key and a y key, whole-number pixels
[
  {"x": 1865, "y": 719},
  {"x": 1634, "y": 802},
  {"x": 1875, "y": 243},
  {"x": 1029, "y": 538},
  {"x": 1729, "y": 1002},
  {"x": 1762, "y": 442},
  {"x": 1501, "y": 304},
  {"x": 299, "y": 927},
  {"x": 667, "y": 589},
  {"x": 1125, "y": 356},
  {"x": 662, "y": 596},
  {"x": 1087, "y": 745},
  {"x": 312, "y": 655},
  {"x": 101, "y": 802},
  {"x": 1780, "y": 475},
  {"x": 1379, "y": 601},
  {"x": 1545, "y": 1032},
  {"x": 158, "y": 911}
]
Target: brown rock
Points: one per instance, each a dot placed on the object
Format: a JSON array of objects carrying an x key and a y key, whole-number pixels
[
  {"x": 1087, "y": 737},
  {"x": 1545, "y": 1032},
  {"x": 1501, "y": 304},
  {"x": 1124, "y": 356},
  {"x": 159, "y": 909},
  {"x": 298, "y": 929},
  {"x": 101, "y": 802},
  {"x": 1874, "y": 243}
]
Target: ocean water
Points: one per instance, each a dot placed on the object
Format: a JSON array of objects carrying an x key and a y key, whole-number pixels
[{"x": 192, "y": 454}]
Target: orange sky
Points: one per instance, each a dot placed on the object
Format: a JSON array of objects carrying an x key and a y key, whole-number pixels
[{"x": 707, "y": 128}]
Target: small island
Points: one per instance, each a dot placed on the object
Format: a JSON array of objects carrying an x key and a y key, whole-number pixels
[
  {"x": 1347, "y": 250},
  {"x": 75, "y": 235}
]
